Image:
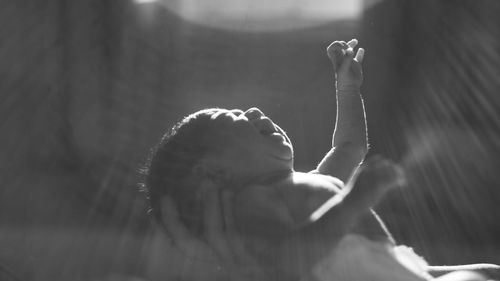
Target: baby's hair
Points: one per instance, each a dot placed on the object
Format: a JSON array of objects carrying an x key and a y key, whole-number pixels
[{"x": 169, "y": 167}]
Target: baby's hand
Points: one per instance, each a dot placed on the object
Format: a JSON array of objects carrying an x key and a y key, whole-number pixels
[
  {"x": 367, "y": 187},
  {"x": 336, "y": 52},
  {"x": 347, "y": 67},
  {"x": 375, "y": 178},
  {"x": 221, "y": 253}
]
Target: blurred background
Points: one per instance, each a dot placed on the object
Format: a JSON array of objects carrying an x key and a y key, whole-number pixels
[{"x": 88, "y": 87}]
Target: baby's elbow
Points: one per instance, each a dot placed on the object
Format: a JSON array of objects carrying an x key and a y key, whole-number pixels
[{"x": 357, "y": 151}]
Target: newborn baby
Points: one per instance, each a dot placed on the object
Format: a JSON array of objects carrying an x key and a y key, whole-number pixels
[{"x": 299, "y": 226}]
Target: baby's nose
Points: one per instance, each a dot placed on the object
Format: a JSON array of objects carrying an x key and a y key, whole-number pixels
[{"x": 253, "y": 113}]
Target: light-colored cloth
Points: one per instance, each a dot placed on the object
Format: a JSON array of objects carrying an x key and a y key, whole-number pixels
[{"x": 359, "y": 258}]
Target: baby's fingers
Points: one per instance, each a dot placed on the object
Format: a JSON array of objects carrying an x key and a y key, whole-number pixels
[
  {"x": 247, "y": 266},
  {"x": 336, "y": 52},
  {"x": 350, "y": 47},
  {"x": 173, "y": 225},
  {"x": 180, "y": 236},
  {"x": 335, "y": 49},
  {"x": 346, "y": 62},
  {"x": 237, "y": 244},
  {"x": 351, "y": 44},
  {"x": 214, "y": 224},
  {"x": 360, "y": 55}
]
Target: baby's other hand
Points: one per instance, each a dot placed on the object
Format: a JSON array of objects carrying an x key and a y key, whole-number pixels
[
  {"x": 379, "y": 175},
  {"x": 367, "y": 187}
]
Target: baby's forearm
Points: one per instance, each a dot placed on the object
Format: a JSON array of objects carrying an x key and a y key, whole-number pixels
[
  {"x": 349, "y": 141},
  {"x": 350, "y": 126}
]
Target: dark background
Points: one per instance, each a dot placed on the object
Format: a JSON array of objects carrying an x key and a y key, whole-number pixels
[{"x": 88, "y": 87}]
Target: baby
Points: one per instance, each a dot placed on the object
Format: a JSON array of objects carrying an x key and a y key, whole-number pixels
[{"x": 299, "y": 226}]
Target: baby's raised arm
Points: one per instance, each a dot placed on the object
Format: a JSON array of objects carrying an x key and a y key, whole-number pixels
[{"x": 349, "y": 141}]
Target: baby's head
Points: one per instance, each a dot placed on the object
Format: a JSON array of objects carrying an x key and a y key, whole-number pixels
[{"x": 231, "y": 148}]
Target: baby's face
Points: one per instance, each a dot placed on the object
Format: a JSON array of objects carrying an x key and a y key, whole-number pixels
[{"x": 249, "y": 145}]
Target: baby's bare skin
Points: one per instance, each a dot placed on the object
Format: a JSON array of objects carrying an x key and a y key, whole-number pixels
[{"x": 300, "y": 226}]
